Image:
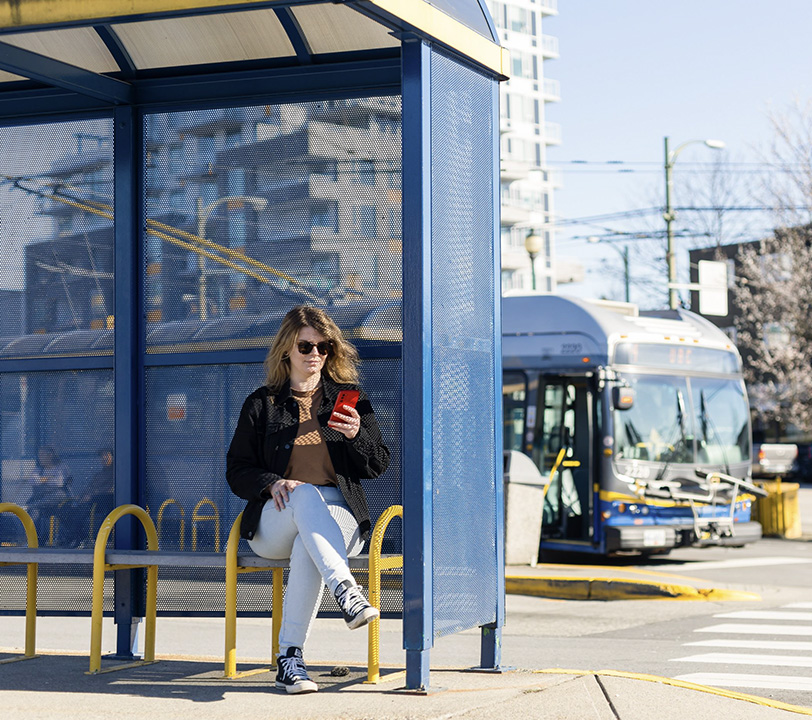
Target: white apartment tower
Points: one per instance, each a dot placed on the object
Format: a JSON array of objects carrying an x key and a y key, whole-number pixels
[{"x": 526, "y": 183}]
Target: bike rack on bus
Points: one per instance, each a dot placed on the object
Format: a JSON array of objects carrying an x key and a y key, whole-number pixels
[{"x": 716, "y": 483}]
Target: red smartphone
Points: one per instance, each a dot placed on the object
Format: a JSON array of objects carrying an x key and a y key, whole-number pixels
[{"x": 345, "y": 397}]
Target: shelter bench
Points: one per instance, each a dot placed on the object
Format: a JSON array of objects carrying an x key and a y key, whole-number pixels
[{"x": 102, "y": 559}]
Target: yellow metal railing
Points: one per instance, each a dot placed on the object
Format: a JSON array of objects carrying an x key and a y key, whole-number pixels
[
  {"x": 197, "y": 517},
  {"x": 376, "y": 565},
  {"x": 559, "y": 462},
  {"x": 99, "y": 568},
  {"x": 182, "y": 531},
  {"x": 30, "y": 583}
]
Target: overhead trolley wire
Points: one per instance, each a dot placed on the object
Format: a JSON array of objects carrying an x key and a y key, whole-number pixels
[{"x": 176, "y": 237}]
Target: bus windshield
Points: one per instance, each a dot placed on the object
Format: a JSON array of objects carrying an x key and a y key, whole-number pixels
[{"x": 684, "y": 420}]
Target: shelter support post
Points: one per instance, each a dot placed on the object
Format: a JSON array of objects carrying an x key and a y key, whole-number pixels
[
  {"x": 491, "y": 645},
  {"x": 418, "y": 633},
  {"x": 126, "y": 159}
]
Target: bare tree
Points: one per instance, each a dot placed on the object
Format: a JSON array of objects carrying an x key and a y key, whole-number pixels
[{"x": 774, "y": 284}]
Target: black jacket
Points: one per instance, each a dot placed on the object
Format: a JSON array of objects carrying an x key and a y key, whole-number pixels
[{"x": 263, "y": 441}]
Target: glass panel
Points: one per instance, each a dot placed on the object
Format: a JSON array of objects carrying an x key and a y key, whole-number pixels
[
  {"x": 333, "y": 28},
  {"x": 251, "y": 211},
  {"x": 468, "y": 12},
  {"x": 204, "y": 39},
  {"x": 721, "y": 408},
  {"x": 514, "y": 393},
  {"x": 464, "y": 416},
  {"x": 658, "y": 426},
  {"x": 76, "y": 46},
  {"x": 56, "y": 239},
  {"x": 56, "y": 440}
]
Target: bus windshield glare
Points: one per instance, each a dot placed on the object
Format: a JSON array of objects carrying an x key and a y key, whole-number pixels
[{"x": 684, "y": 420}]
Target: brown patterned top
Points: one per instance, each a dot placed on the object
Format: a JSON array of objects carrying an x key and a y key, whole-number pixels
[{"x": 309, "y": 460}]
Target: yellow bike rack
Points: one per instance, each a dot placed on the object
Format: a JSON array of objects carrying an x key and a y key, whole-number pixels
[
  {"x": 99, "y": 568},
  {"x": 196, "y": 518},
  {"x": 30, "y": 583},
  {"x": 182, "y": 533}
]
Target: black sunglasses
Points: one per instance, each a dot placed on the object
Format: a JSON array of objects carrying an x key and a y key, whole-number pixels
[{"x": 305, "y": 348}]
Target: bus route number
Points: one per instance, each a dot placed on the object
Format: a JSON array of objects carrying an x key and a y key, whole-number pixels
[{"x": 680, "y": 356}]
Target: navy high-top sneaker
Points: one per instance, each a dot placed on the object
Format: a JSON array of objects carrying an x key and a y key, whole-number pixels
[
  {"x": 291, "y": 673},
  {"x": 357, "y": 611}
]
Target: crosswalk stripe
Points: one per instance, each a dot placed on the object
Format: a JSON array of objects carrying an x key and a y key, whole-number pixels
[
  {"x": 799, "y": 606},
  {"x": 771, "y": 682},
  {"x": 748, "y": 659},
  {"x": 766, "y": 615},
  {"x": 739, "y": 563},
  {"x": 758, "y": 629},
  {"x": 799, "y": 645}
]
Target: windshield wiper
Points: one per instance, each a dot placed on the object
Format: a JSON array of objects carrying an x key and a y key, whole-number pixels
[
  {"x": 708, "y": 420},
  {"x": 677, "y": 443}
]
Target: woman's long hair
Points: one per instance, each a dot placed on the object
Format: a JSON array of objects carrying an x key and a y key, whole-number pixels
[{"x": 341, "y": 364}]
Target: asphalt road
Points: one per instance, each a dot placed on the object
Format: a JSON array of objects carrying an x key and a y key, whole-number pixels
[{"x": 759, "y": 647}]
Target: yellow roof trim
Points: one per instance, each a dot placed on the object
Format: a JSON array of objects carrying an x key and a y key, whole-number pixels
[
  {"x": 25, "y": 13},
  {"x": 418, "y": 15},
  {"x": 436, "y": 24}
]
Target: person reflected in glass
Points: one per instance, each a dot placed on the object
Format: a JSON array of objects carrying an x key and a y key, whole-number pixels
[
  {"x": 300, "y": 466},
  {"x": 50, "y": 492},
  {"x": 97, "y": 500}
]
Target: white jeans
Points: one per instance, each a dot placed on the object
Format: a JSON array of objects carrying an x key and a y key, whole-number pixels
[{"x": 317, "y": 531}]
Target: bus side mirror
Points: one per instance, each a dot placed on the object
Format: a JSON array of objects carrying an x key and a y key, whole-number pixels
[{"x": 622, "y": 398}]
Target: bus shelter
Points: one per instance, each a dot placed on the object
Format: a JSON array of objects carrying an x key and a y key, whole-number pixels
[{"x": 174, "y": 176}]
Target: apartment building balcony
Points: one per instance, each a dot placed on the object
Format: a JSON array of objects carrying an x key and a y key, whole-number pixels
[
  {"x": 551, "y": 90},
  {"x": 513, "y": 214},
  {"x": 513, "y": 258},
  {"x": 510, "y": 170},
  {"x": 549, "y": 47},
  {"x": 548, "y": 7},
  {"x": 552, "y": 133}
]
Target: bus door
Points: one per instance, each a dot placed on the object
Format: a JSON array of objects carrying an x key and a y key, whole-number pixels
[{"x": 565, "y": 420}]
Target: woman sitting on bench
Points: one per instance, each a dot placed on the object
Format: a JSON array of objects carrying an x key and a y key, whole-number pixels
[{"x": 298, "y": 457}]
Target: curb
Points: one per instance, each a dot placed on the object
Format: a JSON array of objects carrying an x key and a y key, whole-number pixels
[
  {"x": 566, "y": 588},
  {"x": 730, "y": 694}
]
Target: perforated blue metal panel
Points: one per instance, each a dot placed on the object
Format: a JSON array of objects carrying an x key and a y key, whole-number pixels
[{"x": 464, "y": 416}]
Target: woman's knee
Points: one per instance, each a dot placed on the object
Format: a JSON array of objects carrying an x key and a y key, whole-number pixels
[{"x": 304, "y": 493}]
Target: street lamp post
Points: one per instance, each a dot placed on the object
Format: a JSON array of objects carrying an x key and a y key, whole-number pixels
[
  {"x": 624, "y": 254},
  {"x": 533, "y": 244},
  {"x": 668, "y": 215},
  {"x": 203, "y": 214}
]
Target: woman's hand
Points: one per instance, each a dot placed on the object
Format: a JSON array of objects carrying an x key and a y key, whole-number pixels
[
  {"x": 348, "y": 423},
  {"x": 280, "y": 491}
]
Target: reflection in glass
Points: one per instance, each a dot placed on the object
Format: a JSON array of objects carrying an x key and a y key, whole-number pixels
[{"x": 681, "y": 420}]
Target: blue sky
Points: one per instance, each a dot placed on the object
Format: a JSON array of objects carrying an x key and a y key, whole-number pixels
[{"x": 634, "y": 71}]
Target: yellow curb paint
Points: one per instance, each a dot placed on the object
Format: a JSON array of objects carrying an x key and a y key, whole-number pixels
[
  {"x": 632, "y": 571},
  {"x": 744, "y": 697},
  {"x": 612, "y": 589}
]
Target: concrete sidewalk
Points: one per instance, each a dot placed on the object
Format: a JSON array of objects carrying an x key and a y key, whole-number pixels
[{"x": 55, "y": 686}]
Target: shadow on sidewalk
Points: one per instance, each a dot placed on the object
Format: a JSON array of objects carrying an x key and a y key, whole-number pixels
[{"x": 198, "y": 681}]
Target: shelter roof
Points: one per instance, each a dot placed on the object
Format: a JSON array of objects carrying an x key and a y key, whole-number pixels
[{"x": 103, "y": 48}]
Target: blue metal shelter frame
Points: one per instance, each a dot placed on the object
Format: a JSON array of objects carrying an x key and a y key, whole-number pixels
[{"x": 446, "y": 64}]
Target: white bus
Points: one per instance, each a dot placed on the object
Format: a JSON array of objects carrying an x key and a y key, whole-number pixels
[{"x": 648, "y": 412}]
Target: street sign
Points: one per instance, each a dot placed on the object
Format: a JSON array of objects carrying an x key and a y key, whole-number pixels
[{"x": 713, "y": 288}]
